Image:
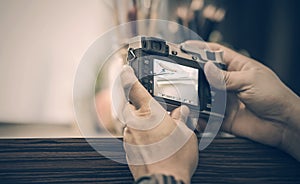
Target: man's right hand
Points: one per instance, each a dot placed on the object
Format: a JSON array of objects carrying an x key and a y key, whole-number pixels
[{"x": 259, "y": 106}]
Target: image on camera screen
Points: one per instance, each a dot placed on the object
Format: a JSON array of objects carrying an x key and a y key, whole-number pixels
[{"x": 175, "y": 82}]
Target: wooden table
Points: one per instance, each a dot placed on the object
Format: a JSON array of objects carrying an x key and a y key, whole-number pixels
[{"x": 226, "y": 160}]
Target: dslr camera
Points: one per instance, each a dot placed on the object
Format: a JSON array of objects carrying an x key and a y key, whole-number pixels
[{"x": 173, "y": 74}]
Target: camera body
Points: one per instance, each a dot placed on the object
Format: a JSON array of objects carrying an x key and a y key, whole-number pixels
[{"x": 173, "y": 74}]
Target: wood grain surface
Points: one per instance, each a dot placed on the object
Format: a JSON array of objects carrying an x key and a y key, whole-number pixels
[{"x": 226, "y": 160}]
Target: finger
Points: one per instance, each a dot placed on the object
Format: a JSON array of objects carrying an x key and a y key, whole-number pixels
[
  {"x": 230, "y": 80},
  {"x": 228, "y": 53},
  {"x": 232, "y": 59},
  {"x": 134, "y": 90},
  {"x": 197, "y": 44},
  {"x": 248, "y": 125},
  {"x": 180, "y": 113}
]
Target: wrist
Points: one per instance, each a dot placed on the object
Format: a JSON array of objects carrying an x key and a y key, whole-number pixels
[
  {"x": 291, "y": 114},
  {"x": 291, "y": 136},
  {"x": 290, "y": 142}
]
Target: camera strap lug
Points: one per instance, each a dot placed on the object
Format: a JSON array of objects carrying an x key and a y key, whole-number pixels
[{"x": 132, "y": 55}]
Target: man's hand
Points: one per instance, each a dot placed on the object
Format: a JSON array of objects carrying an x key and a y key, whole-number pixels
[
  {"x": 168, "y": 147},
  {"x": 260, "y": 107}
]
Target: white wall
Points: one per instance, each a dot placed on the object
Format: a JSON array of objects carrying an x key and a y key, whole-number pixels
[{"x": 41, "y": 43}]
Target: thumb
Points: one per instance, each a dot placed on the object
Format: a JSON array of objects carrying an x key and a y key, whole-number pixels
[
  {"x": 230, "y": 80},
  {"x": 134, "y": 90},
  {"x": 180, "y": 113}
]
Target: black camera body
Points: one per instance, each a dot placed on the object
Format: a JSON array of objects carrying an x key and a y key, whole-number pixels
[{"x": 173, "y": 74}]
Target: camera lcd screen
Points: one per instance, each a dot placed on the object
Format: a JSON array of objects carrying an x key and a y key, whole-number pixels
[{"x": 175, "y": 82}]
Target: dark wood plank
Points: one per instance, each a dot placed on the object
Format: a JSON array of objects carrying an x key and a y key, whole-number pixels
[{"x": 226, "y": 160}]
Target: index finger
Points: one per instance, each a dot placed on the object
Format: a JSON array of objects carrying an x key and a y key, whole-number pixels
[{"x": 233, "y": 60}]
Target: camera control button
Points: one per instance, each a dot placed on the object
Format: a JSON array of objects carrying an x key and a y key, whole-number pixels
[
  {"x": 145, "y": 80},
  {"x": 213, "y": 93}
]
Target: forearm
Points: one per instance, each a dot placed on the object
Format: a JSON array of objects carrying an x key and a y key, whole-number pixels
[
  {"x": 291, "y": 135},
  {"x": 291, "y": 143},
  {"x": 293, "y": 119}
]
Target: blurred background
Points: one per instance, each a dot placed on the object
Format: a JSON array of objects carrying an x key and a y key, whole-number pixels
[{"x": 42, "y": 42}]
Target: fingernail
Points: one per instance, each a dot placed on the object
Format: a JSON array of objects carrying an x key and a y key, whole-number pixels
[{"x": 185, "y": 111}]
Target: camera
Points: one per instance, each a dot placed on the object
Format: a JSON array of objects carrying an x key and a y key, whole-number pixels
[{"x": 173, "y": 73}]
